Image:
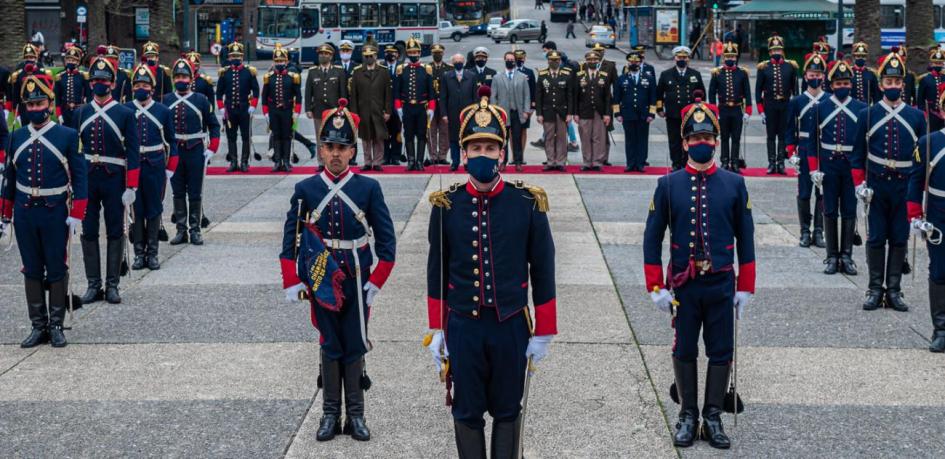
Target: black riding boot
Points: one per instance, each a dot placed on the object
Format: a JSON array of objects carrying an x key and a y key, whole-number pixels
[
  {"x": 58, "y": 296},
  {"x": 330, "y": 424},
  {"x": 505, "y": 439},
  {"x": 819, "y": 221},
  {"x": 194, "y": 219},
  {"x": 470, "y": 442},
  {"x": 833, "y": 246},
  {"x": 876, "y": 262},
  {"x": 152, "y": 228},
  {"x": 36, "y": 305},
  {"x": 420, "y": 152},
  {"x": 244, "y": 156},
  {"x": 897, "y": 256},
  {"x": 287, "y": 156},
  {"x": 688, "y": 424},
  {"x": 937, "y": 307},
  {"x": 716, "y": 382},
  {"x": 92, "y": 258},
  {"x": 847, "y": 234},
  {"x": 180, "y": 220},
  {"x": 409, "y": 147},
  {"x": 354, "y": 402},
  {"x": 231, "y": 155},
  {"x": 139, "y": 243},
  {"x": 803, "y": 214},
  {"x": 772, "y": 156},
  {"x": 114, "y": 253}
]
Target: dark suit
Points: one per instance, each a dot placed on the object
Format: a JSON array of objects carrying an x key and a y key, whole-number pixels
[
  {"x": 454, "y": 97},
  {"x": 674, "y": 92}
]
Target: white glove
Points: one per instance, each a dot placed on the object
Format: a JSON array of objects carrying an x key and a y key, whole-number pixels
[
  {"x": 429, "y": 114},
  {"x": 764, "y": 119},
  {"x": 864, "y": 192},
  {"x": 128, "y": 197},
  {"x": 292, "y": 293},
  {"x": 538, "y": 348},
  {"x": 3, "y": 165},
  {"x": 251, "y": 110},
  {"x": 745, "y": 117},
  {"x": 73, "y": 224},
  {"x": 3, "y": 227},
  {"x": 817, "y": 177},
  {"x": 741, "y": 301},
  {"x": 795, "y": 161},
  {"x": 663, "y": 300},
  {"x": 168, "y": 173},
  {"x": 920, "y": 227},
  {"x": 207, "y": 154},
  {"x": 437, "y": 343},
  {"x": 400, "y": 113},
  {"x": 222, "y": 113},
  {"x": 372, "y": 291}
]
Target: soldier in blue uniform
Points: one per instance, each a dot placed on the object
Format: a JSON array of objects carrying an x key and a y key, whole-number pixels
[
  {"x": 194, "y": 122},
  {"x": 394, "y": 144},
  {"x": 730, "y": 89},
  {"x": 45, "y": 194},
  {"x": 158, "y": 156},
  {"x": 635, "y": 108},
  {"x": 478, "y": 276},
  {"x": 928, "y": 90},
  {"x": 17, "y": 78},
  {"x": 201, "y": 82},
  {"x": 121, "y": 91},
  {"x": 865, "y": 84},
  {"x": 151, "y": 52},
  {"x": 708, "y": 212},
  {"x": 926, "y": 210},
  {"x": 801, "y": 112},
  {"x": 832, "y": 131},
  {"x": 415, "y": 103},
  {"x": 882, "y": 161},
  {"x": 71, "y": 87},
  {"x": 282, "y": 102},
  {"x": 109, "y": 138},
  {"x": 776, "y": 82},
  {"x": 349, "y": 211},
  {"x": 237, "y": 96}
]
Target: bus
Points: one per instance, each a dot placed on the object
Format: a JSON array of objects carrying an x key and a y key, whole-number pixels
[
  {"x": 563, "y": 10},
  {"x": 892, "y": 20},
  {"x": 475, "y": 12},
  {"x": 306, "y": 24}
]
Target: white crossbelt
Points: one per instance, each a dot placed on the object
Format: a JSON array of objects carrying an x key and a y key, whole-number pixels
[
  {"x": 889, "y": 162},
  {"x": 832, "y": 147},
  {"x": 938, "y": 157},
  {"x": 101, "y": 112},
  {"x": 892, "y": 113},
  {"x": 810, "y": 104},
  {"x": 94, "y": 159},
  {"x": 38, "y": 135},
  {"x": 841, "y": 107},
  {"x": 936, "y": 192},
  {"x": 41, "y": 192},
  {"x": 183, "y": 100},
  {"x": 142, "y": 111}
]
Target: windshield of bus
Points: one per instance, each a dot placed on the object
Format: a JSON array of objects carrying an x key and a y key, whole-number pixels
[
  {"x": 278, "y": 22},
  {"x": 562, "y": 5},
  {"x": 465, "y": 10}
]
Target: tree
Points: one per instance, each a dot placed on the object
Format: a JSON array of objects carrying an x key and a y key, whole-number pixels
[
  {"x": 12, "y": 31},
  {"x": 98, "y": 30},
  {"x": 163, "y": 30},
  {"x": 866, "y": 26},
  {"x": 919, "y": 34}
]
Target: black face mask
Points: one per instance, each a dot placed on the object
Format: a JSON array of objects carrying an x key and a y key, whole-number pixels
[
  {"x": 510, "y": 65},
  {"x": 519, "y": 63},
  {"x": 437, "y": 58},
  {"x": 370, "y": 60},
  {"x": 480, "y": 63},
  {"x": 390, "y": 58}
]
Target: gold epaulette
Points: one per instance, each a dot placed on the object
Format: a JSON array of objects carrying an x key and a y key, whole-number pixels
[
  {"x": 207, "y": 79},
  {"x": 167, "y": 70},
  {"x": 716, "y": 70},
  {"x": 920, "y": 77},
  {"x": 538, "y": 194},
  {"x": 429, "y": 69},
  {"x": 59, "y": 75},
  {"x": 296, "y": 78},
  {"x": 400, "y": 69},
  {"x": 221, "y": 71},
  {"x": 380, "y": 65},
  {"x": 743, "y": 68},
  {"x": 337, "y": 67},
  {"x": 356, "y": 68},
  {"x": 127, "y": 73},
  {"x": 543, "y": 72},
  {"x": 266, "y": 77},
  {"x": 762, "y": 65},
  {"x": 13, "y": 77},
  {"x": 441, "y": 198},
  {"x": 85, "y": 74},
  {"x": 564, "y": 69},
  {"x": 252, "y": 70},
  {"x": 580, "y": 73},
  {"x": 603, "y": 73},
  {"x": 793, "y": 63}
]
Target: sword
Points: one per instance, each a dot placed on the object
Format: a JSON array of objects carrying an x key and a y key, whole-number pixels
[
  {"x": 295, "y": 157},
  {"x": 252, "y": 144},
  {"x": 520, "y": 448}
]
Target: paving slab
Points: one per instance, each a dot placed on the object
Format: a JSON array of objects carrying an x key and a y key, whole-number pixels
[{"x": 11, "y": 355}]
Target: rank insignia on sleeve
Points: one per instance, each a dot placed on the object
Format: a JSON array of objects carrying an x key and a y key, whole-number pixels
[
  {"x": 652, "y": 206},
  {"x": 748, "y": 204}
]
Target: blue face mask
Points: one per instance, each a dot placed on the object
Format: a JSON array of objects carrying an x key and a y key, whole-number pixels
[
  {"x": 701, "y": 152},
  {"x": 101, "y": 89},
  {"x": 142, "y": 95},
  {"x": 730, "y": 62},
  {"x": 814, "y": 82},
  {"x": 37, "y": 116},
  {"x": 458, "y": 66},
  {"x": 152, "y": 62},
  {"x": 841, "y": 93},
  {"x": 860, "y": 62},
  {"x": 892, "y": 94},
  {"x": 483, "y": 168},
  {"x": 181, "y": 86},
  {"x": 70, "y": 66},
  {"x": 280, "y": 67},
  {"x": 937, "y": 68}
]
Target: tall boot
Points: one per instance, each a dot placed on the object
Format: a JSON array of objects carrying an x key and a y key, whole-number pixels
[
  {"x": 937, "y": 307},
  {"x": 803, "y": 214},
  {"x": 470, "y": 442},
  {"x": 287, "y": 156},
  {"x": 194, "y": 219},
  {"x": 276, "y": 147},
  {"x": 716, "y": 382},
  {"x": 354, "y": 402},
  {"x": 505, "y": 439},
  {"x": 420, "y": 152},
  {"x": 139, "y": 243},
  {"x": 897, "y": 256},
  {"x": 771, "y": 156},
  {"x": 409, "y": 147},
  {"x": 114, "y": 252},
  {"x": 180, "y": 220},
  {"x": 36, "y": 305},
  {"x": 819, "y": 221},
  {"x": 58, "y": 296},
  {"x": 244, "y": 155},
  {"x": 330, "y": 424},
  {"x": 92, "y": 259},
  {"x": 876, "y": 262},
  {"x": 847, "y": 234},
  {"x": 688, "y": 424},
  {"x": 231, "y": 155},
  {"x": 833, "y": 246},
  {"x": 153, "y": 227}
]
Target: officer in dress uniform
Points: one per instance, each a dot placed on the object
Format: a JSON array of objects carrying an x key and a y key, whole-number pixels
[
  {"x": 122, "y": 89},
  {"x": 882, "y": 161},
  {"x": 926, "y": 209},
  {"x": 158, "y": 156},
  {"x": 237, "y": 96},
  {"x": 833, "y": 127},
  {"x": 520, "y": 56},
  {"x": 415, "y": 103},
  {"x": 674, "y": 91},
  {"x": 484, "y": 74},
  {"x": 72, "y": 87},
  {"x": 17, "y": 78},
  {"x": 370, "y": 89},
  {"x": 708, "y": 212},
  {"x": 928, "y": 90},
  {"x": 439, "y": 134},
  {"x": 282, "y": 100},
  {"x": 345, "y": 51},
  {"x": 194, "y": 122},
  {"x": 393, "y": 146},
  {"x": 477, "y": 287},
  {"x": 152, "y": 55},
  {"x": 348, "y": 211},
  {"x": 45, "y": 194},
  {"x": 108, "y": 135},
  {"x": 776, "y": 83},
  {"x": 324, "y": 86},
  {"x": 593, "y": 110},
  {"x": 201, "y": 83},
  {"x": 635, "y": 108},
  {"x": 801, "y": 112},
  {"x": 647, "y": 69},
  {"x": 865, "y": 84},
  {"x": 731, "y": 90},
  {"x": 554, "y": 104},
  {"x": 610, "y": 67}
]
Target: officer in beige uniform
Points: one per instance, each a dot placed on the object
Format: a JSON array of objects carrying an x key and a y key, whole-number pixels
[
  {"x": 592, "y": 109},
  {"x": 325, "y": 84},
  {"x": 554, "y": 103}
]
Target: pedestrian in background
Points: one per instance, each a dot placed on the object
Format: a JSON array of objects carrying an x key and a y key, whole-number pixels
[
  {"x": 539, "y": 5},
  {"x": 717, "y": 51},
  {"x": 569, "y": 32}
]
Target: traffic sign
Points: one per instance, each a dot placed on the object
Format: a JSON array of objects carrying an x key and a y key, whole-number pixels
[
  {"x": 215, "y": 49},
  {"x": 81, "y": 14}
]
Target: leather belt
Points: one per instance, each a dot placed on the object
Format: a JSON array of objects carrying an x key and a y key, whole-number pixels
[
  {"x": 890, "y": 163},
  {"x": 35, "y": 192},
  {"x": 346, "y": 244},
  {"x": 95, "y": 159}
]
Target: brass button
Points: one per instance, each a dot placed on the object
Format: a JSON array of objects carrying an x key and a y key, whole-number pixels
[
  {"x": 475, "y": 257},
  {"x": 476, "y": 284},
  {"x": 476, "y": 271},
  {"x": 476, "y": 298},
  {"x": 475, "y": 313}
]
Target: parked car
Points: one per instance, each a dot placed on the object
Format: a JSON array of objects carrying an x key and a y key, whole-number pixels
[
  {"x": 494, "y": 23},
  {"x": 602, "y": 34},
  {"x": 562, "y": 10},
  {"x": 456, "y": 32},
  {"x": 520, "y": 29},
  {"x": 479, "y": 29}
]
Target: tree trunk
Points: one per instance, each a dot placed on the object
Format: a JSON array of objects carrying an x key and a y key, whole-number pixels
[
  {"x": 12, "y": 32},
  {"x": 866, "y": 26},
  {"x": 163, "y": 29},
  {"x": 98, "y": 31},
  {"x": 919, "y": 34}
]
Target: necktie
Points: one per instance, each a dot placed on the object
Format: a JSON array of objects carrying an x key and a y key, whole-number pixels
[{"x": 510, "y": 76}]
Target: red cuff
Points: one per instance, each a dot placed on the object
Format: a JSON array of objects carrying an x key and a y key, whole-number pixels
[
  {"x": 172, "y": 163},
  {"x": 748, "y": 109},
  {"x": 265, "y": 109},
  {"x": 3, "y": 154},
  {"x": 8, "y": 105},
  {"x": 220, "y": 104},
  {"x": 791, "y": 150},
  {"x": 654, "y": 276},
  {"x": 58, "y": 112},
  {"x": 214, "y": 144},
  {"x": 436, "y": 309},
  {"x": 289, "y": 275},
  {"x": 431, "y": 105},
  {"x": 746, "y": 278},
  {"x": 914, "y": 210},
  {"x": 546, "y": 318},
  {"x": 812, "y": 163},
  {"x": 381, "y": 273},
  {"x": 132, "y": 179},
  {"x": 254, "y": 101},
  {"x": 398, "y": 103},
  {"x": 761, "y": 108},
  {"x": 6, "y": 208},
  {"x": 78, "y": 208},
  {"x": 859, "y": 176},
  {"x": 297, "y": 108}
]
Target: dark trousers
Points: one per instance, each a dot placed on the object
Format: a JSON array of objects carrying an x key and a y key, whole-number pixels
[
  {"x": 104, "y": 194},
  {"x": 149, "y": 200},
  {"x": 41, "y": 234},
  {"x": 340, "y": 331},
  {"x": 676, "y": 153},
  {"x": 935, "y": 216},
  {"x": 187, "y": 180},
  {"x": 730, "y": 126},
  {"x": 570, "y": 33},
  {"x": 706, "y": 303},
  {"x": 487, "y": 361},
  {"x": 888, "y": 220},
  {"x": 804, "y": 184},
  {"x": 935, "y": 123},
  {"x": 839, "y": 194},
  {"x": 776, "y": 123},
  {"x": 238, "y": 123},
  {"x": 393, "y": 144},
  {"x": 515, "y": 130},
  {"x": 635, "y": 133},
  {"x": 454, "y": 153},
  {"x": 415, "y": 130},
  {"x": 280, "y": 126}
]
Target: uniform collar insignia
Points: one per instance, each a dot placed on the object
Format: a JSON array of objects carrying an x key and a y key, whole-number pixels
[{"x": 499, "y": 186}]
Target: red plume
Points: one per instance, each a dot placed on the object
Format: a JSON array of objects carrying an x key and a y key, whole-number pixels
[
  {"x": 895, "y": 49},
  {"x": 840, "y": 55},
  {"x": 484, "y": 91},
  {"x": 342, "y": 103},
  {"x": 698, "y": 94},
  {"x": 101, "y": 50},
  {"x": 29, "y": 68}
]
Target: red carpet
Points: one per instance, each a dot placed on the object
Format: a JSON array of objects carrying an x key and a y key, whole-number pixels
[{"x": 611, "y": 170}]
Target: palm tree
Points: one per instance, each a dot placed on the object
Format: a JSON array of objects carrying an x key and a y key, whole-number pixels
[
  {"x": 163, "y": 29},
  {"x": 866, "y": 25},
  {"x": 919, "y": 33},
  {"x": 12, "y": 31}
]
